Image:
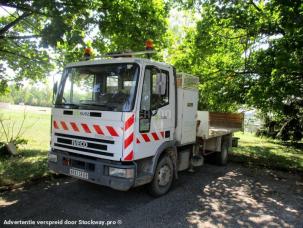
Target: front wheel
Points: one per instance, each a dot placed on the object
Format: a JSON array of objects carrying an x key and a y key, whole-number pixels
[{"x": 163, "y": 177}]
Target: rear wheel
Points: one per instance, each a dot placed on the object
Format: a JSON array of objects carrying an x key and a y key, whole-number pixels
[
  {"x": 163, "y": 177},
  {"x": 222, "y": 157}
]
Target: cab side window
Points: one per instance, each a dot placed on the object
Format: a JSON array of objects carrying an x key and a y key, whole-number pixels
[
  {"x": 146, "y": 91},
  {"x": 155, "y": 94},
  {"x": 160, "y": 89}
]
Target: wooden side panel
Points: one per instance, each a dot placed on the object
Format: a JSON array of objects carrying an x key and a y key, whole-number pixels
[{"x": 226, "y": 120}]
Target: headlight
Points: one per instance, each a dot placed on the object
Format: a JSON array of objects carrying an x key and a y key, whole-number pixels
[
  {"x": 124, "y": 173},
  {"x": 52, "y": 157}
]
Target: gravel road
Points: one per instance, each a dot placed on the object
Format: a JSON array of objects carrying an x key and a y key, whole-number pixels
[{"x": 231, "y": 196}]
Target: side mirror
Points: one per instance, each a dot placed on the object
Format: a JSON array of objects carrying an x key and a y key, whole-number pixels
[{"x": 161, "y": 84}]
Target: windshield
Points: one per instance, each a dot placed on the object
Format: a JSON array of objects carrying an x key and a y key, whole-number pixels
[{"x": 110, "y": 87}]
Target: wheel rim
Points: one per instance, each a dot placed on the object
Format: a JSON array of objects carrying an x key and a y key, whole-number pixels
[{"x": 164, "y": 175}]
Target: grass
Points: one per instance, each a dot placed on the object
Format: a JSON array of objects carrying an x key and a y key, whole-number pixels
[
  {"x": 31, "y": 161},
  {"x": 256, "y": 151}
]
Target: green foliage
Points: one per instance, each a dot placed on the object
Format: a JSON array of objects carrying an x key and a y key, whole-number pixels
[
  {"x": 249, "y": 52},
  {"x": 36, "y": 95},
  {"x": 211, "y": 52},
  {"x": 134, "y": 22},
  {"x": 36, "y": 36},
  {"x": 275, "y": 71}
]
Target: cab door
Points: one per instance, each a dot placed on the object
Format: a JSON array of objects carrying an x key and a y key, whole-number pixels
[{"x": 156, "y": 111}]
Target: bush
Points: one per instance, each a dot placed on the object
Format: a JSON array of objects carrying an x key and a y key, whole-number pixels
[{"x": 10, "y": 133}]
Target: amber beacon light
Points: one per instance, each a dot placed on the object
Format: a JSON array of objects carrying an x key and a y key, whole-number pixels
[
  {"x": 88, "y": 53},
  {"x": 149, "y": 44}
]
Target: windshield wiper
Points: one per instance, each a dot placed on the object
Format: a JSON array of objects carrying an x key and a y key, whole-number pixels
[
  {"x": 97, "y": 105},
  {"x": 67, "y": 104}
]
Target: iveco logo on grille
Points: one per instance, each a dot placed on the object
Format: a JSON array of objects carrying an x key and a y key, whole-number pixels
[{"x": 79, "y": 143}]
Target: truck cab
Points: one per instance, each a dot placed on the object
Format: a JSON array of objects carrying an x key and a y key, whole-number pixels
[{"x": 112, "y": 119}]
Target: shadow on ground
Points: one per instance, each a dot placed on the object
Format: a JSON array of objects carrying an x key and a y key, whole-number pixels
[
  {"x": 250, "y": 199},
  {"x": 27, "y": 165},
  {"x": 229, "y": 196}
]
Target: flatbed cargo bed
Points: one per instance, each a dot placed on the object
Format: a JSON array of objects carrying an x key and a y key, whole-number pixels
[
  {"x": 215, "y": 124},
  {"x": 215, "y": 132}
]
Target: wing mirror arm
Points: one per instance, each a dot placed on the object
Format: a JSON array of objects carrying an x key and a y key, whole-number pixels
[
  {"x": 55, "y": 89},
  {"x": 154, "y": 112}
]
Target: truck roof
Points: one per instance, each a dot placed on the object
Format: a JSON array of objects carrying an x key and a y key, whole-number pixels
[{"x": 117, "y": 60}]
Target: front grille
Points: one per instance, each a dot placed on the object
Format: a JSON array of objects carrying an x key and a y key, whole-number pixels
[
  {"x": 84, "y": 144},
  {"x": 89, "y": 144},
  {"x": 85, "y": 138}
]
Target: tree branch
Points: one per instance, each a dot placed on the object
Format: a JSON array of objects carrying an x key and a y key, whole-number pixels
[
  {"x": 16, "y": 54},
  {"x": 22, "y": 8},
  {"x": 231, "y": 38},
  {"x": 25, "y": 57},
  {"x": 254, "y": 5},
  {"x": 13, "y": 23},
  {"x": 19, "y": 37}
]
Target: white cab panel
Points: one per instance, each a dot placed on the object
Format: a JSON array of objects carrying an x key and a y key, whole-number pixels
[
  {"x": 79, "y": 132},
  {"x": 187, "y": 110}
]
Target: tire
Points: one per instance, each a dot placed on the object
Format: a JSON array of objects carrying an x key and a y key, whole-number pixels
[
  {"x": 163, "y": 177},
  {"x": 222, "y": 157}
]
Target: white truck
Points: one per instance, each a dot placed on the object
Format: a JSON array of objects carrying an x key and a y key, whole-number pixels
[{"x": 123, "y": 122}]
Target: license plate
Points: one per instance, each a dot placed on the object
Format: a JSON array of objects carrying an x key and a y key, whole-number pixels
[{"x": 78, "y": 173}]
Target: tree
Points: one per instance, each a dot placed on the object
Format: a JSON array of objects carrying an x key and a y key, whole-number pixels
[
  {"x": 249, "y": 52},
  {"x": 212, "y": 51},
  {"x": 37, "y": 95},
  {"x": 36, "y": 36}
]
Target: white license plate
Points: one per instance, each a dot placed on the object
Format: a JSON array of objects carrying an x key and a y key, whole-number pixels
[{"x": 78, "y": 173}]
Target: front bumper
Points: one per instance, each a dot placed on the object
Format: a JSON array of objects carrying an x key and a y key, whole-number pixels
[{"x": 97, "y": 169}]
